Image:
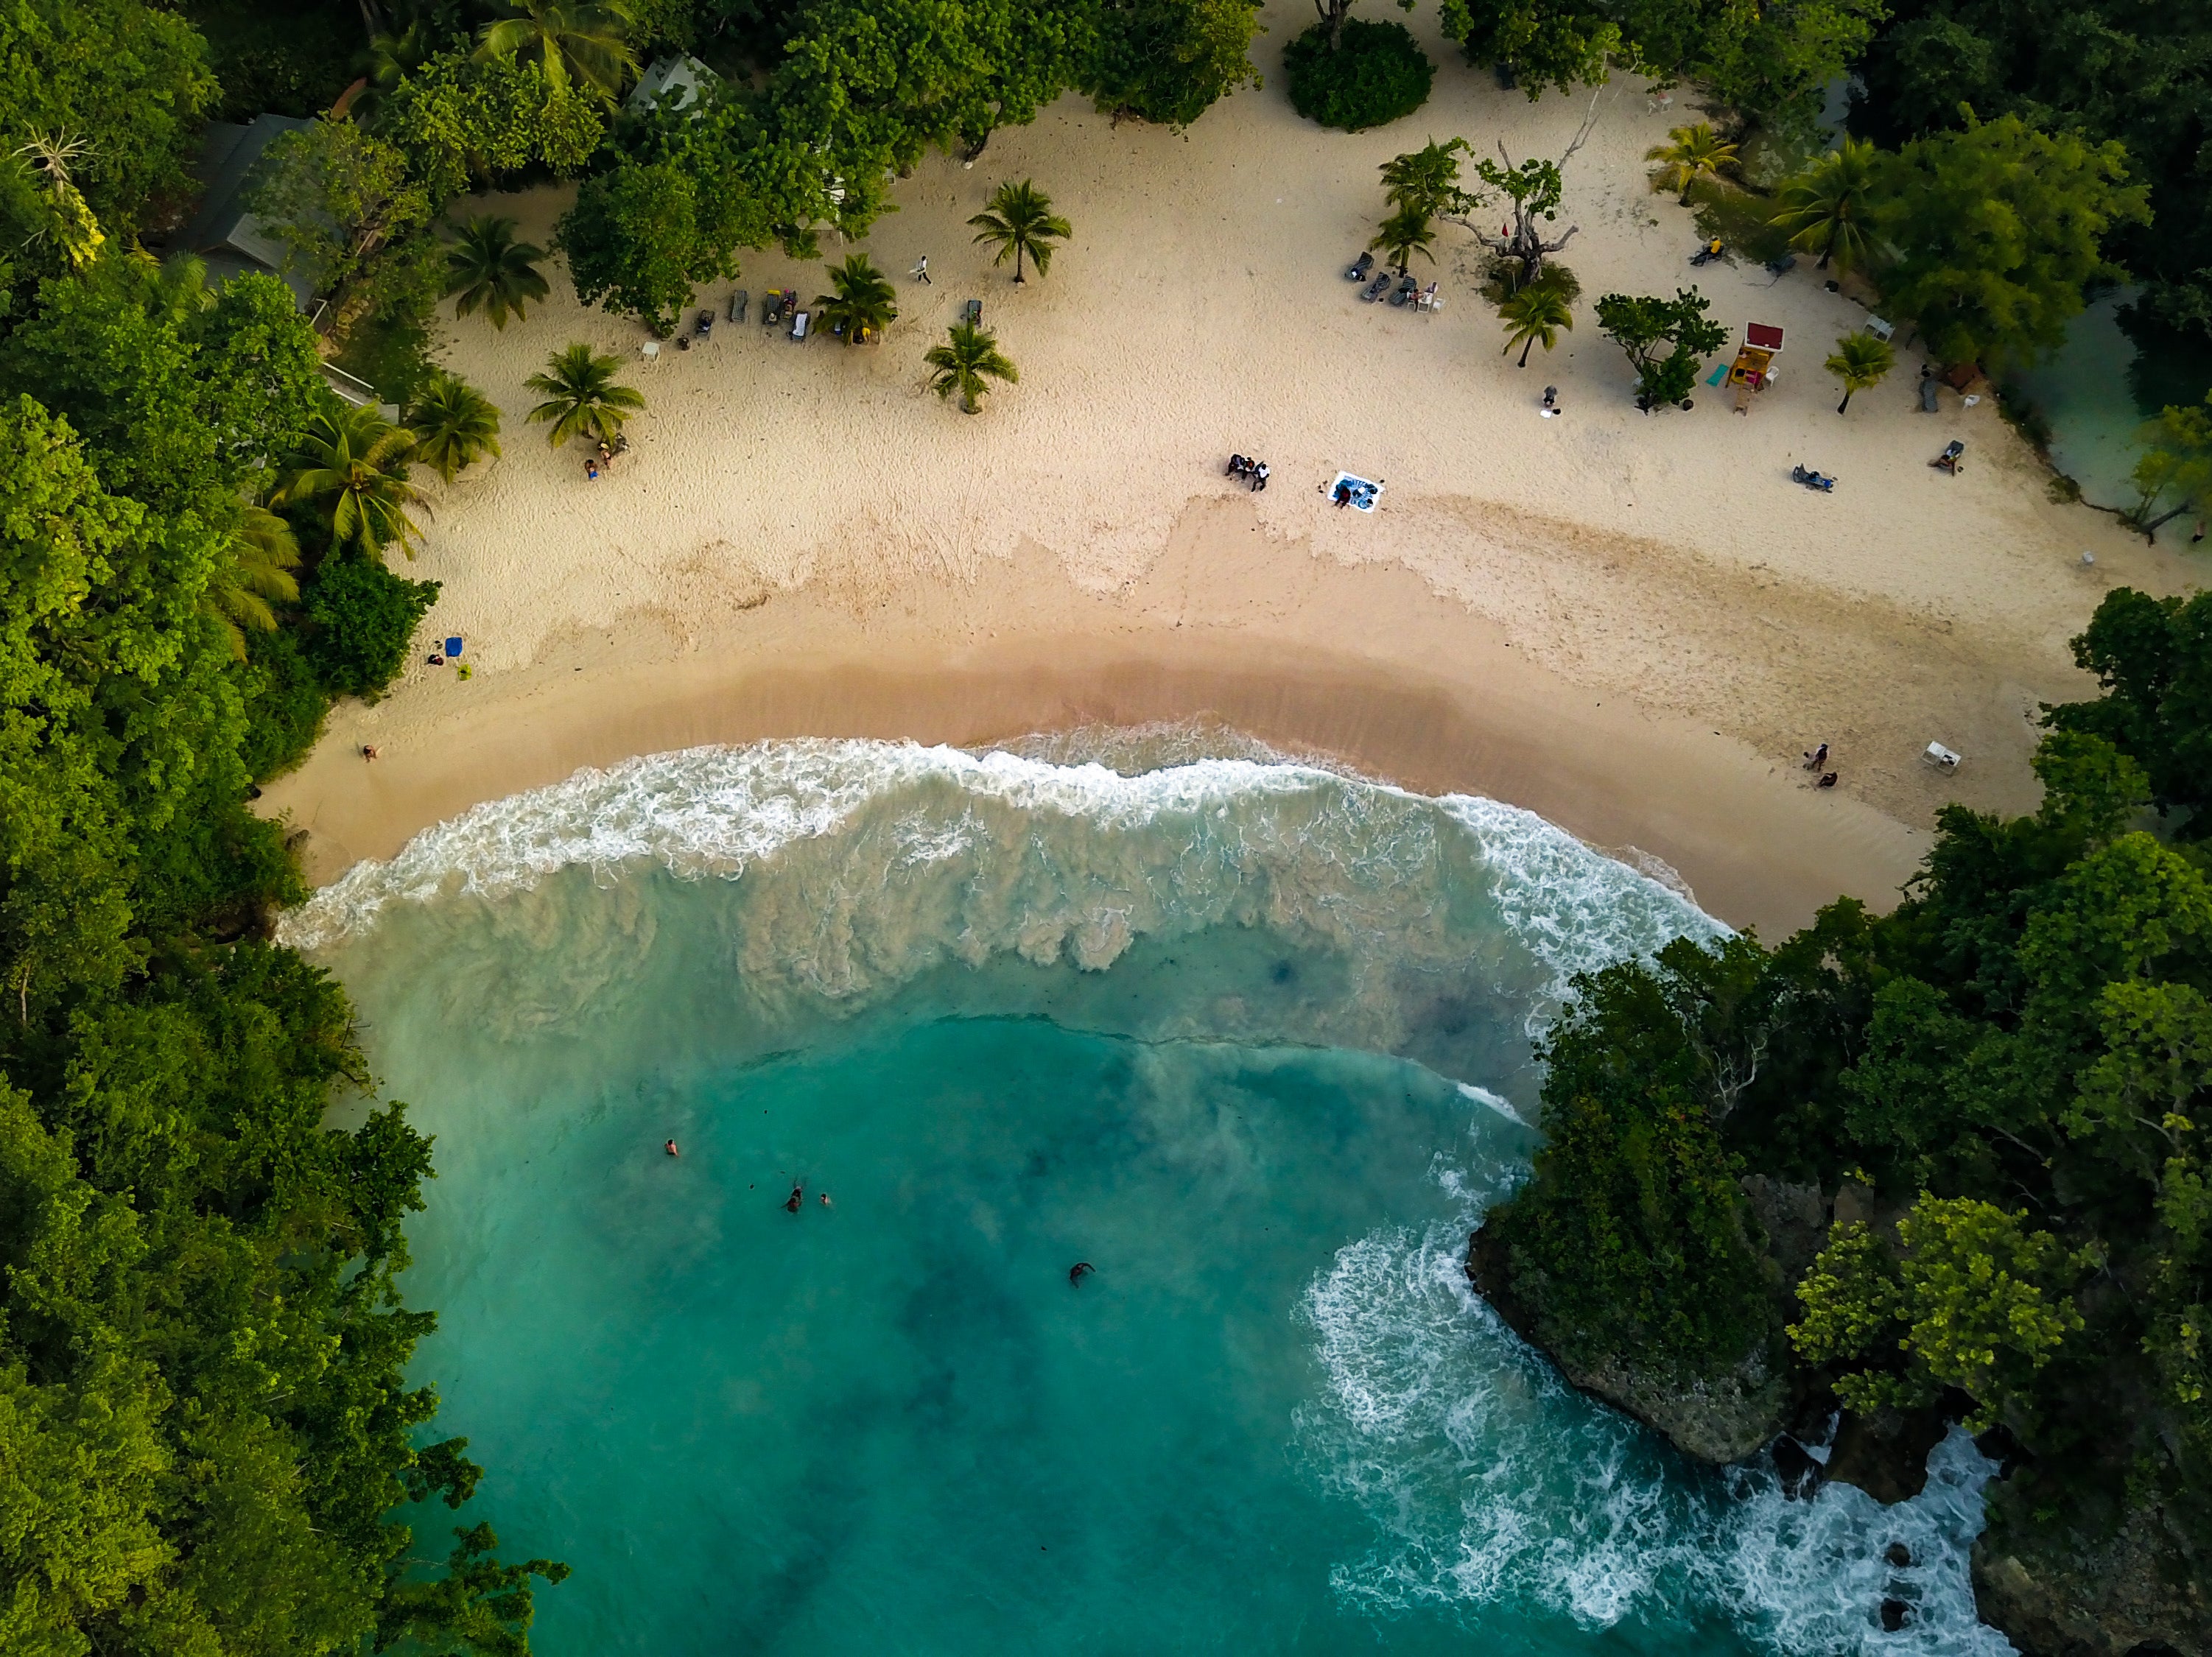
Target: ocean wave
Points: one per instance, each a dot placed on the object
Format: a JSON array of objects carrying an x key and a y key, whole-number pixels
[
  {"x": 1490, "y": 1482},
  {"x": 866, "y": 863}
]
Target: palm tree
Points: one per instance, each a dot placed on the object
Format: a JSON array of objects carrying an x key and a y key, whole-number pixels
[
  {"x": 1861, "y": 361},
  {"x": 75, "y": 229},
  {"x": 1021, "y": 221},
  {"x": 1695, "y": 152},
  {"x": 1403, "y": 234},
  {"x": 863, "y": 303},
  {"x": 492, "y": 271},
  {"x": 963, "y": 362},
  {"x": 1828, "y": 206},
  {"x": 454, "y": 424},
  {"x": 579, "y": 40},
  {"x": 352, "y": 467},
  {"x": 581, "y": 398},
  {"x": 1537, "y": 312},
  {"x": 258, "y": 567}
]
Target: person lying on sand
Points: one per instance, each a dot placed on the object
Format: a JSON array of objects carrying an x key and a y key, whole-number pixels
[{"x": 1827, "y": 781}]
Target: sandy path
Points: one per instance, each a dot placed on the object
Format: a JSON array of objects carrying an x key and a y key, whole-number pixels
[{"x": 814, "y": 509}]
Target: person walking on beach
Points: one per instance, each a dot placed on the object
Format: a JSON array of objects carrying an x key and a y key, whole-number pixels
[
  {"x": 922, "y": 269},
  {"x": 1817, "y": 758},
  {"x": 1259, "y": 477}
]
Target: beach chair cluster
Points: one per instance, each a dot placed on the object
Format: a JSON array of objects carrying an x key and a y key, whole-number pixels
[{"x": 1403, "y": 291}]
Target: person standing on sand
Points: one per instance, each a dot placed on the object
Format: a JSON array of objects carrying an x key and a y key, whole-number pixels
[
  {"x": 922, "y": 269},
  {"x": 1817, "y": 758}
]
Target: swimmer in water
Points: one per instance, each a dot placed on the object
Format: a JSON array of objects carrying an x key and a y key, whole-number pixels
[
  {"x": 670, "y": 1147},
  {"x": 825, "y": 1200},
  {"x": 791, "y": 1203},
  {"x": 1077, "y": 1273}
]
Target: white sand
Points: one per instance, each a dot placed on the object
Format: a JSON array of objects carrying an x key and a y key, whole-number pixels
[{"x": 813, "y": 505}]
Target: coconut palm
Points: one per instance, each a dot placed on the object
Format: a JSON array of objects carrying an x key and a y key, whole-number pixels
[
  {"x": 1021, "y": 221},
  {"x": 1403, "y": 234},
  {"x": 454, "y": 424},
  {"x": 962, "y": 364},
  {"x": 864, "y": 302},
  {"x": 579, "y": 40},
  {"x": 1829, "y": 205},
  {"x": 1535, "y": 313},
  {"x": 351, "y": 467},
  {"x": 581, "y": 398},
  {"x": 1860, "y": 361},
  {"x": 492, "y": 271},
  {"x": 257, "y": 568},
  {"x": 1694, "y": 152}
]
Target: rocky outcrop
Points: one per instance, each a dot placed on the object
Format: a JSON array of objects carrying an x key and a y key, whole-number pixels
[
  {"x": 2135, "y": 1596},
  {"x": 1715, "y": 1418}
]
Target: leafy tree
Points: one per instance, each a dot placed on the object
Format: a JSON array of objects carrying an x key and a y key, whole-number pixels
[
  {"x": 360, "y": 623},
  {"x": 634, "y": 243},
  {"x": 1355, "y": 74},
  {"x": 2153, "y": 660},
  {"x": 1861, "y": 361},
  {"x": 128, "y": 80},
  {"x": 2176, "y": 464},
  {"x": 1690, "y": 152},
  {"x": 1020, "y": 221},
  {"x": 334, "y": 193},
  {"x": 1664, "y": 339},
  {"x": 1533, "y": 187},
  {"x": 467, "y": 123},
  {"x": 1774, "y": 62},
  {"x": 578, "y": 42},
  {"x": 582, "y": 398},
  {"x": 1533, "y": 314},
  {"x": 1170, "y": 61},
  {"x": 454, "y": 424},
  {"x": 969, "y": 357},
  {"x": 1997, "y": 230},
  {"x": 864, "y": 302},
  {"x": 491, "y": 270},
  {"x": 1829, "y": 205},
  {"x": 1403, "y": 234},
  {"x": 1978, "y": 1302},
  {"x": 351, "y": 473},
  {"x": 1542, "y": 43}
]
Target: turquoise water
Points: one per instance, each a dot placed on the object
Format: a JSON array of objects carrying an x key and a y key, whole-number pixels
[{"x": 1250, "y": 1039}]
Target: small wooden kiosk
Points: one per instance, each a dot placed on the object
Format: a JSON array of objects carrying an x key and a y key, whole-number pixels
[{"x": 1753, "y": 368}]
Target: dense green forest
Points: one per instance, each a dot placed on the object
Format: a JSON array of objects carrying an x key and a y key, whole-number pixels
[{"x": 1997, "y": 1090}]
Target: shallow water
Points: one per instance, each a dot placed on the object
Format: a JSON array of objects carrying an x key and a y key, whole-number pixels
[{"x": 1248, "y": 1038}]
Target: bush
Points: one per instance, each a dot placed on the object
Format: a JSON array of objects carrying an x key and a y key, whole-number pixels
[
  {"x": 285, "y": 703},
  {"x": 362, "y": 618},
  {"x": 1376, "y": 76}
]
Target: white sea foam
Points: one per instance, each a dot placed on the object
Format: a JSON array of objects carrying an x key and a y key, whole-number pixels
[
  {"x": 1489, "y": 1482},
  {"x": 867, "y": 863}
]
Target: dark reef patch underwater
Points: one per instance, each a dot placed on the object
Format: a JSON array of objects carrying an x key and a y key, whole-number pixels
[{"x": 1251, "y": 1038}]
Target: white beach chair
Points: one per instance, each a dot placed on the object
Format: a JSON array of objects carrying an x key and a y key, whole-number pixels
[
  {"x": 1940, "y": 756},
  {"x": 1881, "y": 328},
  {"x": 650, "y": 351},
  {"x": 799, "y": 325}
]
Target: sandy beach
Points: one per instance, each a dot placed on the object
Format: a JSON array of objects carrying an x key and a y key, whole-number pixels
[{"x": 1629, "y": 624}]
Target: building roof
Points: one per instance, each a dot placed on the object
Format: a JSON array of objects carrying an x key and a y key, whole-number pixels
[
  {"x": 678, "y": 80},
  {"x": 232, "y": 240}
]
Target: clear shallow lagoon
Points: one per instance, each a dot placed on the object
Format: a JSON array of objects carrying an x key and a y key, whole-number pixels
[{"x": 1250, "y": 1038}]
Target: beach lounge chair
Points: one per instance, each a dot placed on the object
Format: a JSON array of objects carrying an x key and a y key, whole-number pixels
[
  {"x": 1948, "y": 460},
  {"x": 972, "y": 313},
  {"x": 1928, "y": 383},
  {"x": 771, "y": 307},
  {"x": 1376, "y": 288},
  {"x": 1404, "y": 291},
  {"x": 1359, "y": 268},
  {"x": 1782, "y": 267},
  {"x": 1881, "y": 328},
  {"x": 798, "y": 326},
  {"x": 706, "y": 325},
  {"x": 738, "y": 301}
]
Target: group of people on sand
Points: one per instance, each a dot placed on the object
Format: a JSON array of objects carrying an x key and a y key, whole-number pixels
[
  {"x": 1253, "y": 472},
  {"x": 1814, "y": 760},
  {"x": 604, "y": 460}
]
